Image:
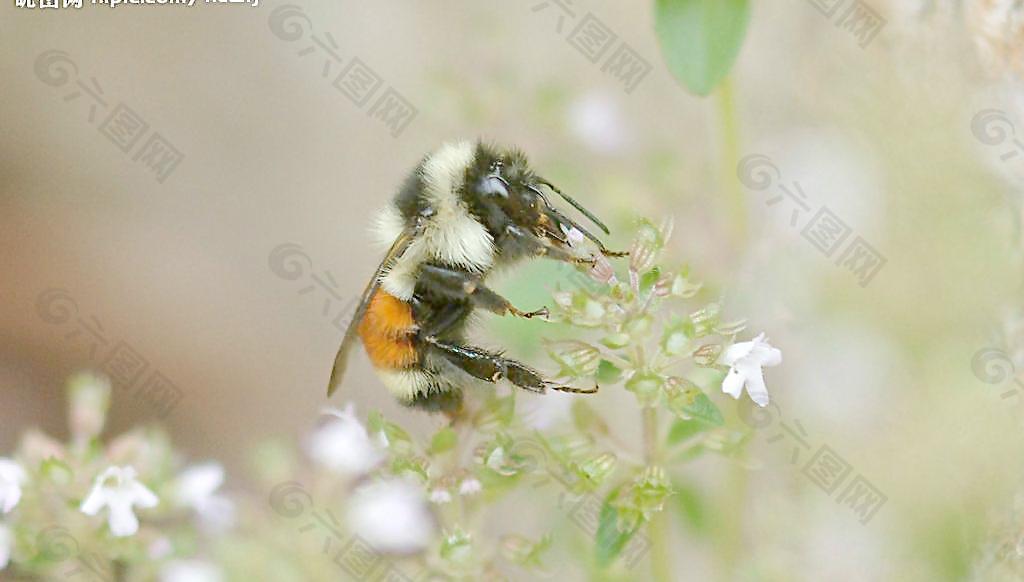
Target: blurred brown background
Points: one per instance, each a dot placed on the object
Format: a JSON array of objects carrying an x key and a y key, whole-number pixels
[{"x": 274, "y": 154}]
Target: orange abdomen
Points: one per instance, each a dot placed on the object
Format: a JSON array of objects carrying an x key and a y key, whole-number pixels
[{"x": 386, "y": 331}]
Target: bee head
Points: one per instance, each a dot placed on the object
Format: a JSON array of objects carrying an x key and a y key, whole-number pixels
[{"x": 504, "y": 178}]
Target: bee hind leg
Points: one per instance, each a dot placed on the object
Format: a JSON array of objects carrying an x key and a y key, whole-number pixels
[{"x": 491, "y": 367}]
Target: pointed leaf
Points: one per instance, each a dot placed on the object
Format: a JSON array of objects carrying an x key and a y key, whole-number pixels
[{"x": 700, "y": 39}]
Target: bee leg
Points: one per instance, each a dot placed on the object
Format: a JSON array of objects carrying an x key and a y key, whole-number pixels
[
  {"x": 610, "y": 253},
  {"x": 531, "y": 244},
  {"x": 491, "y": 367},
  {"x": 457, "y": 284},
  {"x": 449, "y": 402}
]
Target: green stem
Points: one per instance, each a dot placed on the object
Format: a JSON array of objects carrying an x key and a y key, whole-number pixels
[
  {"x": 729, "y": 160},
  {"x": 657, "y": 528},
  {"x": 730, "y": 531}
]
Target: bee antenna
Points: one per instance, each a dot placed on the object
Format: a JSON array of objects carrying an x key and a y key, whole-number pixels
[
  {"x": 540, "y": 193},
  {"x": 576, "y": 205}
]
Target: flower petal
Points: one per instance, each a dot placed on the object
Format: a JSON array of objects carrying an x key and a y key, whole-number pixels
[
  {"x": 766, "y": 355},
  {"x": 198, "y": 483},
  {"x": 96, "y": 499},
  {"x": 10, "y": 494},
  {"x": 122, "y": 520},
  {"x": 755, "y": 387},
  {"x": 141, "y": 496},
  {"x": 11, "y": 472},
  {"x": 733, "y": 383},
  {"x": 6, "y": 543},
  {"x": 736, "y": 352}
]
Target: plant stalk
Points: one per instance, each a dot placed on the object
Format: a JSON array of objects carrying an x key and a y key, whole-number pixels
[
  {"x": 729, "y": 159},
  {"x": 657, "y": 528}
]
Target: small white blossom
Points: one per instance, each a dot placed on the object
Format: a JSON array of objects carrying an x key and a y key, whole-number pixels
[
  {"x": 440, "y": 496},
  {"x": 160, "y": 548},
  {"x": 190, "y": 571},
  {"x": 745, "y": 361},
  {"x": 6, "y": 545},
  {"x": 392, "y": 516},
  {"x": 573, "y": 235},
  {"x": 343, "y": 445},
  {"x": 90, "y": 400},
  {"x": 470, "y": 486},
  {"x": 119, "y": 491},
  {"x": 11, "y": 478},
  {"x": 596, "y": 120},
  {"x": 196, "y": 488}
]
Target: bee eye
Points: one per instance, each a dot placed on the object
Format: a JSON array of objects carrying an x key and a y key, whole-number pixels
[{"x": 494, "y": 185}]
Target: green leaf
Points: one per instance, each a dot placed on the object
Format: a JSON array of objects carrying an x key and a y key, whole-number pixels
[
  {"x": 443, "y": 441},
  {"x": 608, "y": 373},
  {"x": 693, "y": 404},
  {"x": 700, "y": 39},
  {"x": 683, "y": 430},
  {"x": 610, "y": 539},
  {"x": 648, "y": 279},
  {"x": 703, "y": 409},
  {"x": 690, "y": 506}
]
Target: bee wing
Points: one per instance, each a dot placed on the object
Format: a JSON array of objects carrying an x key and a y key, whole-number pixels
[{"x": 397, "y": 249}]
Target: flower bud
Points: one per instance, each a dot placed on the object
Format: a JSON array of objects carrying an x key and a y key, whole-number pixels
[{"x": 89, "y": 397}]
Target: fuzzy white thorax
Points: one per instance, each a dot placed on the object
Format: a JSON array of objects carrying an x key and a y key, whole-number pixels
[
  {"x": 450, "y": 235},
  {"x": 407, "y": 384}
]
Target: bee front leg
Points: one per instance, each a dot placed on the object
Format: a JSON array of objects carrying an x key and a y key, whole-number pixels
[
  {"x": 538, "y": 246},
  {"x": 456, "y": 284}
]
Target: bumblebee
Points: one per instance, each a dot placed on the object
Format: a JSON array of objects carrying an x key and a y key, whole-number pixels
[{"x": 464, "y": 211}]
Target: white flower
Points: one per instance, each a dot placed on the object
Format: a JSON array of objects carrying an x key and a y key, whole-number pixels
[
  {"x": 343, "y": 445},
  {"x": 190, "y": 571},
  {"x": 196, "y": 488},
  {"x": 6, "y": 544},
  {"x": 11, "y": 478},
  {"x": 160, "y": 548},
  {"x": 118, "y": 490},
  {"x": 745, "y": 361},
  {"x": 573, "y": 235},
  {"x": 392, "y": 516},
  {"x": 90, "y": 400},
  {"x": 440, "y": 496},
  {"x": 596, "y": 120},
  {"x": 470, "y": 486}
]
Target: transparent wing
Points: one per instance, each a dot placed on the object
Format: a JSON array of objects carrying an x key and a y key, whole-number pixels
[{"x": 397, "y": 249}]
